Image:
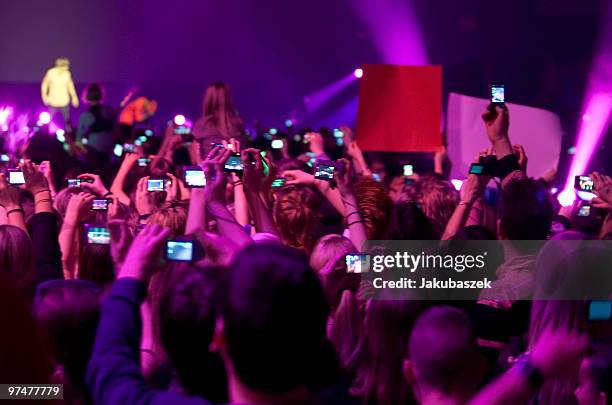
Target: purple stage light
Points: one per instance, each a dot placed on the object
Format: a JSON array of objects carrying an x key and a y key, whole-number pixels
[
  {"x": 358, "y": 73},
  {"x": 44, "y": 118},
  {"x": 179, "y": 119}
]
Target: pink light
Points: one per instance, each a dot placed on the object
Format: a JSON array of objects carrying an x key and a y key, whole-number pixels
[
  {"x": 566, "y": 197},
  {"x": 44, "y": 118},
  {"x": 598, "y": 109},
  {"x": 358, "y": 73},
  {"x": 179, "y": 119},
  {"x": 5, "y": 113}
]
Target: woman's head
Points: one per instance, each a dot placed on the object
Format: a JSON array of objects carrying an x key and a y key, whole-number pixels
[
  {"x": 96, "y": 264},
  {"x": 329, "y": 247},
  {"x": 16, "y": 255},
  {"x": 375, "y": 206},
  {"x": 93, "y": 93},
  {"x": 219, "y": 110},
  {"x": 408, "y": 222},
  {"x": 172, "y": 214},
  {"x": 296, "y": 215}
]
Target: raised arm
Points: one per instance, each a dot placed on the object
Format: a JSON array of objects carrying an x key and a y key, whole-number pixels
[
  {"x": 10, "y": 203},
  {"x": 255, "y": 186},
  {"x": 117, "y": 187},
  {"x": 352, "y": 214},
  {"x": 77, "y": 208}
]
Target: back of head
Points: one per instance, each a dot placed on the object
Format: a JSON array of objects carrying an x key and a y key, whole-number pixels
[
  {"x": 187, "y": 315},
  {"x": 69, "y": 311},
  {"x": 274, "y": 318},
  {"x": 296, "y": 215},
  {"x": 442, "y": 349},
  {"x": 329, "y": 247},
  {"x": 93, "y": 93},
  {"x": 375, "y": 206},
  {"x": 171, "y": 214},
  {"x": 16, "y": 255},
  {"x": 525, "y": 210},
  {"x": 408, "y": 222},
  {"x": 219, "y": 110},
  {"x": 96, "y": 264}
]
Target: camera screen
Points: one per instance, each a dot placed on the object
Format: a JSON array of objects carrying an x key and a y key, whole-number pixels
[
  {"x": 600, "y": 310},
  {"x": 277, "y": 144},
  {"x": 182, "y": 130},
  {"x": 408, "y": 170},
  {"x": 278, "y": 182},
  {"x": 195, "y": 178},
  {"x": 234, "y": 164},
  {"x": 324, "y": 172},
  {"x": 584, "y": 211},
  {"x": 357, "y": 263},
  {"x": 98, "y": 235},
  {"x": 497, "y": 94},
  {"x": 99, "y": 204},
  {"x": 128, "y": 147},
  {"x": 155, "y": 185},
  {"x": 74, "y": 182},
  {"x": 181, "y": 251},
  {"x": 476, "y": 168},
  {"x": 584, "y": 183},
  {"x": 16, "y": 177},
  {"x": 142, "y": 162}
]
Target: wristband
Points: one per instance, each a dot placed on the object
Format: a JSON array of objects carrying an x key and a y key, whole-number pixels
[
  {"x": 143, "y": 217},
  {"x": 42, "y": 191},
  {"x": 525, "y": 368},
  {"x": 9, "y": 212},
  {"x": 352, "y": 213},
  {"x": 43, "y": 200},
  {"x": 354, "y": 222}
]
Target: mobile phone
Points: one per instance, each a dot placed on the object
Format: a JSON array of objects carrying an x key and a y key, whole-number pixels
[
  {"x": 338, "y": 133},
  {"x": 74, "y": 182},
  {"x": 182, "y": 130},
  {"x": 15, "y": 177},
  {"x": 477, "y": 168},
  {"x": 100, "y": 204},
  {"x": 376, "y": 177},
  {"x": 408, "y": 170},
  {"x": 143, "y": 161},
  {"x": 97, "y": 234},
  {"x": 583, "y": 183},
  {"x": 179, "y": 250},
  {"x": 277, "y": 144},
  {"x": 156, "y": 185},
  {"x": 194, "y": 176},
  {"x": 498, "y": 94},
  {"x": 278, "y": 182},
  {"x": 324, "y": 170},
  {"x": 4, "y": 158},
  {"x": 584, "y": 211},
  {"x": 234, "y": 163},
  {"x": 129, "y": 148},
  {"x": 357, "y": 263},
  {"x": 600, "y": 310}
]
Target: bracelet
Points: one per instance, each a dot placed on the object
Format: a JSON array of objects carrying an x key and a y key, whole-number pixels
[
  {"x": 237, "y": 183},
  {"x": 9, "y": 212},
  {"x": 352, "y": 213},
  {"x": 144, "y": 216},
  {"x": 355, "y": 222},
  {"x": 42, "y": 191},
  {"x": 42, "y": 200}
]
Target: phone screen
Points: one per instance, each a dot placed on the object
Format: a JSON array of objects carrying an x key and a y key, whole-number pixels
[
  {"x": 408, "y": 170},
  {"x": 234, "y": 164},
  {"x": 142, "y": 162},
  {"x": 156, "y": 185},
  {"x": 98, "y": 235},
  {"x": 498, "y": 94},
  {"x": 194, "y": 177},
  {"x": 324, "y": 171},
  {"x": 583, "y": 183},
  {"x": 357, "y": 263},
  {"x": 16, "y": 177},
  {"x": 278, "y": 182},
  {"x": 600, "y": 310},
  {"x": 99, "y": 204},
  {"x": 277, "y": 144},
  {"x": 128, "y": 147},
  {"x": 584, "y": 211},
  {"x": 74, "y": 182},
  {"x": 476, "y": 168},
  {"x": 181, "y": 251}
]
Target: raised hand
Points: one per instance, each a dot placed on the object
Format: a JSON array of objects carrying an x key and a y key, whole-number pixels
[
  {"x": 602, "y": 188},
  {"x": 497, "y": 123},
  {"x": 519, "y": 151},
  {"x": 173, "y": 192},
  {"x": 253, "y": 174},
  {"x": 9, "y": 195},
  {"x": 35, "y": 180},
  {"x": 97, "y": 187},
  {"x": 315, "y": 142},
  {"x": 79, "y": 206},
  {"x": 145, "y": 202},
  {"x": 143, "y": 258},
  {"x": 216, "y": 182},
  {"x": 121, "y": 239},
  {"x": 294, "y": 177}
]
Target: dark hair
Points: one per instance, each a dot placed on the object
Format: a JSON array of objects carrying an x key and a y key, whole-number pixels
[
  {"x": 96, "y": 264},
  {"x": 274, "y": 316},
  {"x": 525, "y": 210},
  {"x": 187, "y": 315},
  {"x": 443, "y": 347},
  {"x": 408, "y": 222},
  {"x": 69, "y": 310},
  {"x": 601, "y": 368},
  {"x": 93, "y": 93}
]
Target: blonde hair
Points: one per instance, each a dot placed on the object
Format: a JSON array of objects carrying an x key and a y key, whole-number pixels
[
  {"x": 328, "y": 247},
  {"x": 172, "y": 214}
]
